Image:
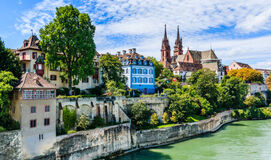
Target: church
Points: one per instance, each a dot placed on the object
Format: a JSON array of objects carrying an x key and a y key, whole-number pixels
[{"x": 185, "y": 64}]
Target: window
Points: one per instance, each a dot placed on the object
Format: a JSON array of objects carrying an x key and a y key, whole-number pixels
[
  {"x": 39, "y": 66},
  {"x": 139, "y": 71},
  {"x": 127, "y": 71},
  {"x": 139, "y": 80},
  {"x": 34, "y": 55},
  {"x": 33, "y": 123},
  {"x": 145, "y": 80},
  {"x": 39, "y": 94},
  {"x": 151, "y": 80},
  {"x": 134, "y": 71},
  {"x": 134, "y": 80},
  {"x": 151, "y": 72},
  {"x": 85, "y": 80},
  {"x": 33, "y": 109},
  {"x": 28, "y": 94},
  {"x": 40, "y": 136},
  {"x": 145, "y": 71},
  {"x": 50, "y": 94},
  {"x": 52, "y": 77},
  {"x": 187, "y": 58},
  {"x": 47, "y": 108},
  {"x": 47, "y": 121}
]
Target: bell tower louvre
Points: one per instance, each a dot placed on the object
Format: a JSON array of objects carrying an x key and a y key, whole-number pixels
[{"x": 165, "y": 51}]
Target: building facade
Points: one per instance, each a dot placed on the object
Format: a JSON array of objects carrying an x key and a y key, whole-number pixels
[
  {"x": 185, "y": 64},
  {"x": 33, "y": 60},
  {"x": 238, "y": 65},
  {"x": 138, "y": 70},
  {"x": 34, "y": 106}
]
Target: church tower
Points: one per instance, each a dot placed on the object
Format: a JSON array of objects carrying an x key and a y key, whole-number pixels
[
  {"x": 165, "y": 51},
  {"x": 178, "y": 48}
]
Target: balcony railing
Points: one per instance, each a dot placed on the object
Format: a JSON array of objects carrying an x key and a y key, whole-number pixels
[{"x": 25, "y": 58}]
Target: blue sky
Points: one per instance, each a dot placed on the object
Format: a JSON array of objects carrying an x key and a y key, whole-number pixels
[{"x": 236, "y": 29}]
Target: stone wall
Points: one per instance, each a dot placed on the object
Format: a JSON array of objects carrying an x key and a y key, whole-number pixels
[
  {"x": 10, "y": 145},
  {"x": 151, "y": 138}
]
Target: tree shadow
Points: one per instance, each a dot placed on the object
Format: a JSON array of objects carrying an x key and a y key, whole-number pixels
[{"x": 146, "y": 154}]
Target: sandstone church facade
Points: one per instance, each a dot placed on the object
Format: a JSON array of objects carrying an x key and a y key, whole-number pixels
[{"x": 193, "y": 60}]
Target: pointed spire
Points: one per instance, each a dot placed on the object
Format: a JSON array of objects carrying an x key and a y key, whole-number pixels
[
  {"x": 178, "y": 33},
  {"x": 165, "y": 34}
]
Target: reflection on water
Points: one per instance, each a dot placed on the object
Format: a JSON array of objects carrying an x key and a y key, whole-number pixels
[{"x": 246, "y": 140}]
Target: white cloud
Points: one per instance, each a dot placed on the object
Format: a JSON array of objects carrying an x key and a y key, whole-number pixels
[{"x": 141, "y": 24}]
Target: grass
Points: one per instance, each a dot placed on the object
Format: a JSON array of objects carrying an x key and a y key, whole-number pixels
[
  {"x": 166, "y": 125},
  {"x": 195, "y": 118}
]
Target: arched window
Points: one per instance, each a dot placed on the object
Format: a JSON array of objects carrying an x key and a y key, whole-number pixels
[
  {"x": 134, "y": 71},
  {"x": 139, "y": 71},
  {"x": 145, "y": 71},
  {"x": 151, "y": 80},
  {"x": 145, "y": 80},
  {"x": 139, "y": 80},
  {"x": 134, "y": 80}
]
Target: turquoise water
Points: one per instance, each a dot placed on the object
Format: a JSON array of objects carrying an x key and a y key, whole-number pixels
[{"x": 245, "y": 140}]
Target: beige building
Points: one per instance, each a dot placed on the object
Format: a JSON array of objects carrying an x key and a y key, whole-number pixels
[
  {"x": 33, "y": 60},
  {"x": 238, "y": 65},
  {"x": 34, "y": 106}
]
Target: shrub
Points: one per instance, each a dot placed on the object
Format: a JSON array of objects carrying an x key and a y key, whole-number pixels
[
  {"x": 71, "y": 131},
  {"x": 2, "y": 129},
  {"x": 83, "y": 122},
  {"x": 174, "y": 118},
  {"x": 154, "y": 119},
  {"x": 140, "y": 114},
  {"x": 69, "y": 118},
  {"x": 98, "y": 122},
  {"x": 165, "y": 118},
  {"x": 252, "y": 101}
]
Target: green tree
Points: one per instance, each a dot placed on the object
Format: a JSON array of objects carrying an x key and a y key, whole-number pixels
[
  {"x": 252, "y": 101},
  {"x": 174, "y": 117},
  {"x": 165, "y": 118},
  {"x": 7, "y": 81},
  {"x": 154, "y": 119},
  {"x": 158, "y": 66},
  {"x": 69, "y": 118},
  {"x": 112, "y": 69},
  {"x": 112, "y": 89},
  {"x": 83, "y": 122},
  {"x": 232, "y": 92},
  {"x": 9, "y": 61},
  {"x": 140, "y": 114},
  {"x": 204, "y": 83},
  {"x": 68, "y": 43}
]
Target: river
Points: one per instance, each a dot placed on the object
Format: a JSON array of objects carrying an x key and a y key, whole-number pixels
[{"x": 244, "y": 140}]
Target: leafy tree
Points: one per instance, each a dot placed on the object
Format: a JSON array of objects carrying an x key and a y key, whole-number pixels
[
  {"x": 154, "y": 119},
  {"x": 174, "y": 118},
  {"x": 7, "y": 81},
  {"x": 9, "y": 61},
  {"x": 113, "y": 90},
  {"x": 68, "y": 43},
  {"x": 204, "y": 83},
  {"x": 248, "y": 75},
  {"x": 268, "y": 82},
  {"x": 252, "y": 101},
  {"x": 166, "y": 73},
  {"x": 158, "y": 66},
  {"x": 69, "y": 118},
  {"x": 140, "y": 114},
  {"x": 83, "y": 122},
  {"x": 112, "y": 69},
  {"x": 165, "y": 118},
  {"x": 232, "y": 92}
]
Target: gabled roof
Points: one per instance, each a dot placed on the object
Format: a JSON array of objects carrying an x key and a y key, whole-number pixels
[
  {"x": 208, "y": 55},
  {"x": 196, "y": 55},
  {"x": 31, "y": 43},
  {"x": 180, "y": 58},
  {"x": 243, "y": 65},
  {"x": 34, "y": 81},
  {"x": 192, "y": 67}
]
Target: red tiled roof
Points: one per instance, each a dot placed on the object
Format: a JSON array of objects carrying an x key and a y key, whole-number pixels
[
  {"x": 32, "y": 80},
  {"x": 243, "y": 65},
  {"x": 32, "y": 43}
]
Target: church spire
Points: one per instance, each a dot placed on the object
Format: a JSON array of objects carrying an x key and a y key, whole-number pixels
[
  {"x": 165, "y": 50},
  {"x": 178, "y": 48},
  {"x": 165, "y": 33}
]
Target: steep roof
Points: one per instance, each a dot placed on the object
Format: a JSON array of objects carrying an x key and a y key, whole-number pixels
[
  {"x": 192, "y": 67},
  {"x": 196, "y": 55},
  {"x": 32, "y": 80},
  {"x": 180, "y": 58},
  {"x": 208, "y": 55},
  {"x": 31, "y": 43},
  {"x": 243, "y": 65}
]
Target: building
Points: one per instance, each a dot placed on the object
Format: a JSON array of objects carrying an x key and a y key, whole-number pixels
[
  {"x": 34, "y": 106},
  {"x": 33, "y": 60},
  {"x": 193, "y": 60},
  {"x": 265, "y": 73},
  {"x": 238, "y": 65},
  {"x": 138, "y": 70}
]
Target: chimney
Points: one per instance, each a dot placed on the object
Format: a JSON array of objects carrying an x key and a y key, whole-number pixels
[
  {"x": 134, "y": 50},
  {"x": 130, "y": 50},
  {"x": 124, "y": 51},
  {"x": 118, "y": 53}
]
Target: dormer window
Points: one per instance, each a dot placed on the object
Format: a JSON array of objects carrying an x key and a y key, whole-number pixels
[
  {"x": 140, "y": 62},
  {"x": 141, "y": 57},
  {"x": 151, "y": 63},
  {"x": 134, "y": 62},
  {"x": 145, "y": 62}
]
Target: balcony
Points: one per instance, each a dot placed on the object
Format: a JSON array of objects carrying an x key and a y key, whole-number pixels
[{"x": 25, "y": 58}]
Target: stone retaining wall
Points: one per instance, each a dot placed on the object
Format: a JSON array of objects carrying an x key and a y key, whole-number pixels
[{"x": 10, "y": 145}]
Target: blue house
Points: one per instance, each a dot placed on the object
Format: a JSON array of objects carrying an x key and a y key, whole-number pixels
[{"x": 138, "y": 70}]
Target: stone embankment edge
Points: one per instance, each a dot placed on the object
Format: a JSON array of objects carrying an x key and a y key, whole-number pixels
[{"x": 122, "y": 153}]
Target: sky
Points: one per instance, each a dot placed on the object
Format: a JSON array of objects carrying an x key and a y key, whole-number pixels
[{"x": 235, "y": 29}]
